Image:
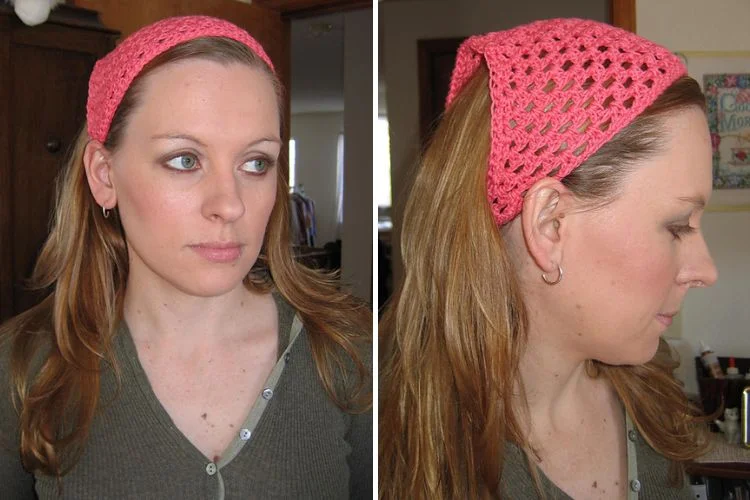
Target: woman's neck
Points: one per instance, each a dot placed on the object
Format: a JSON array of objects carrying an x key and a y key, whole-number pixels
[
  {"x": 560, "y": 393},
  {"x": 165, "y": 314}
]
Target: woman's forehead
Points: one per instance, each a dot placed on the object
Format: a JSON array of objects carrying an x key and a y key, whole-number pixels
[
  {"x": 682, "y": 170},
  {"x": 200, "y": 94}
]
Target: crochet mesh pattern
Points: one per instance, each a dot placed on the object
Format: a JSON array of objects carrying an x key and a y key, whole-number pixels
[
  {"x": 560, "y": 89},
  {"x": 114, "y": 73}
]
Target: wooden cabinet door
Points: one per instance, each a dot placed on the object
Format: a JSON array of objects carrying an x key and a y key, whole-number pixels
[
  {"x": 46, "y": 116},
  {"x": 47, "y": 69}
]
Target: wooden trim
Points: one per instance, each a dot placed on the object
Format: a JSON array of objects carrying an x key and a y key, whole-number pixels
[
  {"x": 56, "y": 36},
  {"x": 733, "y": 470},
  {"x": 728, "y": 208},
  {"x": 715, "y": 54},
  {"x": 6, "y": 259},
  {"x": 295, "y": 9},
  {"x": 623, "y": 14},
  {"x": 69, "y": 15}
]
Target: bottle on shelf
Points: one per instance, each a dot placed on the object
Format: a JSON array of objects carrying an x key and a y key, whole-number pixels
[
  {"x": 732, "y": 371},
  {"x": 710, "y": 361}
]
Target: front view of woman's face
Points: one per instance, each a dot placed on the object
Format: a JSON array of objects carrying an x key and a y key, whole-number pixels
[
  {"x": 195, "y": 175},
  {"x": 631, "y": 262}
]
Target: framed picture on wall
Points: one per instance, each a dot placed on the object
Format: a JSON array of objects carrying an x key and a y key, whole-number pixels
[
  {"x": 701, "y": 65},
  {"x": 728, "y": 106}
]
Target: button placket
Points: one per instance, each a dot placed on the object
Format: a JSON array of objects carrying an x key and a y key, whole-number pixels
[{"x": 247, "y": 429}]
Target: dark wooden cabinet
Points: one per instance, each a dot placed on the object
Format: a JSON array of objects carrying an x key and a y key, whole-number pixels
[{"x": 44, "y": 74}]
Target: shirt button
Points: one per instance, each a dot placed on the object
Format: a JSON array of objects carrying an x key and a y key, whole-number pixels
[
  {"x": 245, "y": 434},
  {"x": 287, "y": 356},
  {"x": 635, "y": 485},
  {"x": 211, "y": 469},
  {"x": 267, "y": 394},
  {"x": 631, "y": 435}
]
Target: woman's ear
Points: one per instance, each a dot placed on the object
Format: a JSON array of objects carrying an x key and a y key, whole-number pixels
[
  {"x": 97, "y": 161},
  {"x": 543, "y": 222}
]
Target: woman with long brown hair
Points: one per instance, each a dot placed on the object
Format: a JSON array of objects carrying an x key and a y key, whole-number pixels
[
  {"x": 183, "y": 353},
  {"x": 550, "y": 236}
]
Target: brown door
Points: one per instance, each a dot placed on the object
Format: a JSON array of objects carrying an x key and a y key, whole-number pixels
[
  {"x": 45, "y": 122},
  {"x": 44, "y": 96}
]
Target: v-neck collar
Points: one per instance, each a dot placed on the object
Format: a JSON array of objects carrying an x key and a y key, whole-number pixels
[
  {"x": 289, "y": 327},
  {"x": 633, "y": 485}
]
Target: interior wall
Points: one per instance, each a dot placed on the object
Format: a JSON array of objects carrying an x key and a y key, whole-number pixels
[
  {"x": 695, "y": 24},
  {"x": 357, "y": 234},
  {"x": 316, "y": 136},
  {"x": 403, "y": 23},
  {"x": 720, "y": 316}
]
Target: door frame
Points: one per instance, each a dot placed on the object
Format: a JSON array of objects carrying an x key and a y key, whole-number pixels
[
  {"x": 622, "y": 13},
  {"x": 296, "y": 9}
]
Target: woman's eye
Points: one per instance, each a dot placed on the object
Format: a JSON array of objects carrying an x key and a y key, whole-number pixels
[
  {"x": 183, "y": 162},
  {"x": 256, "y": 166},
  {"x": 679, "y": 231}
]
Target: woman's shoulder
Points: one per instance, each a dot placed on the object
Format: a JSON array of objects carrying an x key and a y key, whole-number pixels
[
  {"x": 350, "y": 319},
  {"x": 338, "y": 335},
  {"x": 23, "y": 350},
  {"x": 24, "y": 342}
]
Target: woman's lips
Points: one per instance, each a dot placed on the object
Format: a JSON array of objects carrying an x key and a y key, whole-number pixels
[
  {"x": 665, "y": 319},
  {"x": 221, "y": 253}
]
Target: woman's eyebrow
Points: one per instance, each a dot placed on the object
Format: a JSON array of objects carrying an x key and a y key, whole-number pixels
[
  {"x": 699, "y": 201},
  {"x": 177, "y": 136},
  {"x": 273, "y": 139},
  {"x": 191, "y": 138}
]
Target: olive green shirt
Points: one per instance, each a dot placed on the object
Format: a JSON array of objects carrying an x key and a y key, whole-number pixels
[
  {"x": 295, "y": 443},
  {"x": 653, "y": 476}
]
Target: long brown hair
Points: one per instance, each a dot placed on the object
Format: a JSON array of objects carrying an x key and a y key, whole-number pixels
[
  {"x": 59, "y": 346},
  {"x": 452, "y": 337}
]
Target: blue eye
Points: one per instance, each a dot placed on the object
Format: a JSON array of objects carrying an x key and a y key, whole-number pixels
[
  {"x": 256, "y": 166},
  {"x": 183, "y": 162}
]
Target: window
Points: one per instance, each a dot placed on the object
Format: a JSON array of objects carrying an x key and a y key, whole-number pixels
[
  {"x": 339, "y": 184},
  {"x": 382, "y": 163},
  {"x": 292, "y": 162}
]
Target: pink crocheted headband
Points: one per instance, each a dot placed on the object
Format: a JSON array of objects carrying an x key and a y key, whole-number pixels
[
  {"x": 114, "y": 73},
  {"x": 560, "y": 89}
]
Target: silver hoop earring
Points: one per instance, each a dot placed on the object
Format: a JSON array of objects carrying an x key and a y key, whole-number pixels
[
  {"x": 559, "y": 277},
  {"x": 105, "y": 212}
]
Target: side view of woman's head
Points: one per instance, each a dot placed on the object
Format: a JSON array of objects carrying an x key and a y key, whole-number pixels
[{"x": 550, "y": 236}]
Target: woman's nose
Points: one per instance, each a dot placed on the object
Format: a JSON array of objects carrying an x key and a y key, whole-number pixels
[
  {"x": 700, "y": 269},
  {"x": 222, "y": 196}
]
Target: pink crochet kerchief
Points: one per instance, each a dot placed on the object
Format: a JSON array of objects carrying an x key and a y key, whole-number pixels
[
  {"x": 560, "y": 89},
  {"x": 114, "y": 73}
]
